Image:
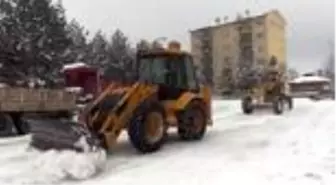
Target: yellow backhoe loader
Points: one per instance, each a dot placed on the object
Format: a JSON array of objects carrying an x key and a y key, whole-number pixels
[{"x": 166, "y": 94}]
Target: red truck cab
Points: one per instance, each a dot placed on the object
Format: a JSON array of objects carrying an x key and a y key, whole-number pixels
[
  {"x": 82, "y": 79},
  {"x": 88, "y": 81}
]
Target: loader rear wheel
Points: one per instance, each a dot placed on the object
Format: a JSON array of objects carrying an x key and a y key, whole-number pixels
[
  {"x": 147, "y": 130},
  {"x": 192, "y": 123}
]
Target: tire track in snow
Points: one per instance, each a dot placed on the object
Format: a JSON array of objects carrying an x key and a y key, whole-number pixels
[
  {"x": 128, "y": 160},
  {"x": 296, "y": 147},
  {"x": 234, "y": 146},
  {"x": 231, "y": 124},
  {"x": 13, "y": 140},
  {"x": 17, "y": 156}
]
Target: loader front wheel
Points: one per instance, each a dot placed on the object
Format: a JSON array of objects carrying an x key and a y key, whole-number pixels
[{"x": 147, "y": 129}]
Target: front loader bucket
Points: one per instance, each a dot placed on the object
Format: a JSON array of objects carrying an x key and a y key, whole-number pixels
[{"x": 62, "y": 135}]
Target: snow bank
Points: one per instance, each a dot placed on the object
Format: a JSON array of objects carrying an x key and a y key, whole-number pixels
[
  {"x": 58, "y": 166},
  {"x": 54, "y": 166},
  {"x": 305, "y": 154}
]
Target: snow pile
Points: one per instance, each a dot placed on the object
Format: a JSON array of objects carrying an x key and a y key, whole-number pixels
[
  {"x": 56, "y": 166},
  {"x": 69, "y": 164}
]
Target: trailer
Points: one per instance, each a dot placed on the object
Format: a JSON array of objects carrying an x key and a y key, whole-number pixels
[{"x": 18, "y": 105}]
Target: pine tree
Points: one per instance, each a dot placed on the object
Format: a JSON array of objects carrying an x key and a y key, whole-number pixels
[
  {"x": 79, "y": 49},
  {"x": 121, "y": 54},
  {"x": 119, "y": 48},
  {"x": 143, "y": 45},
  {"x": 37, "y": 32},
  {"x": 98, "y": 51}
]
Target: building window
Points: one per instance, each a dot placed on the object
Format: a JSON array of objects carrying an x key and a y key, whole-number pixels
[
  {"x": 226, "y": 47},
  {"x": 259, "y": 22},
  {"x": 260, "y": 49},
  {"x": 260, "y": 35},
  {"x": 226, "y": 60},
  {"x": 261, "y": 61},
  {"x": 227, "y": 33}
]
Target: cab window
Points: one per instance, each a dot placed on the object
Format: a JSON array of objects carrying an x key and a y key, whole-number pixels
[{"x": 191, "y": 74}]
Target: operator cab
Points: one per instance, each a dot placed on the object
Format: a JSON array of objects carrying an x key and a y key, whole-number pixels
[{"x": 172, "y": 70}]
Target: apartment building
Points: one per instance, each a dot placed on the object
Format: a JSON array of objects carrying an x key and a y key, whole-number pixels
[{"x": 224, "y": 50}]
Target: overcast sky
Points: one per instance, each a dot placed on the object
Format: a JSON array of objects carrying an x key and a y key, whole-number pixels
[{"x": 310, "y": 22}]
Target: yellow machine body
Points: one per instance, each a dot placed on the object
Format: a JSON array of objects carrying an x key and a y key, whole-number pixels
[{"x": 162, "y": 97}]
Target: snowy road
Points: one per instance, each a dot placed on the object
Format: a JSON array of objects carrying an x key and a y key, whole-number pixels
[{"x": 295, "y": 148}]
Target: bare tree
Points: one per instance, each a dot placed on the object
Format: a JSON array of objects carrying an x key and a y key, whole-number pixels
[{"x": 330, "y": 65}]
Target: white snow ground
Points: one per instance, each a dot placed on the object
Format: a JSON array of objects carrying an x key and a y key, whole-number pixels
[{"x": 297, "y": 148}]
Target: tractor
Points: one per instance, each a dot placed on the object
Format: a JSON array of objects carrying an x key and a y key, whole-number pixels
[
  {"x": 270, "y": 90},
  {"x": 166, "y": 93}
]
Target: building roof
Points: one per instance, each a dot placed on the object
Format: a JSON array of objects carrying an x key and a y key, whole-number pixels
[
  {"x": 309, "y": 79},
  {"x": 78, "y": 66},
  {"x": 277, "y": 12},
  {"x": 74, "y": 65},
  {"x": 244, "y": 19}
]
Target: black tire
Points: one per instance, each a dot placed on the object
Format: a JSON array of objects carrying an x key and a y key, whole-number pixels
[
  {"x": 192, "y": 122},
  {"x": 21, "y": 125},
  {"x": 137, "y": 132},
  {"x": 278, "y": 105},
  {"x": 290, "y": 102},
  {"x": 7, "y": 128},
  {"x": 315, "y": 98},
  {"x": 247, "y": 105}
]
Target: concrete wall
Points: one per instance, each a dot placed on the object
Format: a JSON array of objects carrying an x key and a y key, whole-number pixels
[
  {"x": 269, "y": 40},
  {"x": 276, "y": 38}
]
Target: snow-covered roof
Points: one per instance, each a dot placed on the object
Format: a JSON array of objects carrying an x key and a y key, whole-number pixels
[
  {"x": 308, "y": 79},
  {"x": 74, "y": 65}
]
